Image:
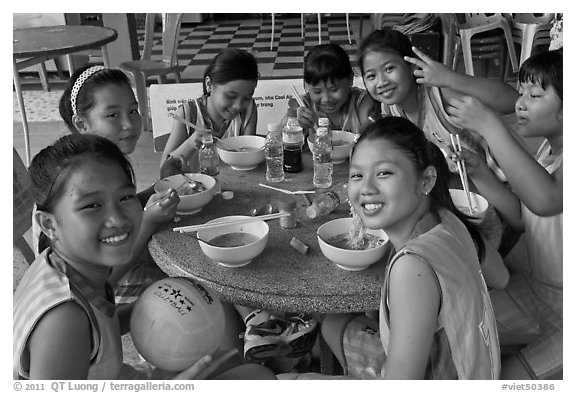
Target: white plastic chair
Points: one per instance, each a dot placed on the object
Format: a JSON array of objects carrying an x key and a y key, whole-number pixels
[
  {"x": 386, "y": 20},
  {"x": 319, "y": 17},
  {"x": 479, "y": 23},
  {"x": 302, "y": 24},
  {"x": 530, "y": 31},
  {"x": 146, "y": 66}
]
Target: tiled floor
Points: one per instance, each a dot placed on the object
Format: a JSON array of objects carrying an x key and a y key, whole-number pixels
[{"x": 200, "y": 43}]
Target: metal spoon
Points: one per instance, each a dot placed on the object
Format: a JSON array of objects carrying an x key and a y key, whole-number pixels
[
  {"x": 205, "y": 241},
  {"x": 266, "y": 209}
]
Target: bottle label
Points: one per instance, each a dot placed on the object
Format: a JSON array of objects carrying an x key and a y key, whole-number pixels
[{"x": 292, "y": 137}]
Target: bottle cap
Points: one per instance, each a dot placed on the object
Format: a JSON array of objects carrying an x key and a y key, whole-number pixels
[
  {"x": 312, "y": 211},
  {"x": 323, "y": 122},
  {"x": 287, "y": 203},
  {"x": 274, "y": 127},
  {"x": 207, "y": 137}
]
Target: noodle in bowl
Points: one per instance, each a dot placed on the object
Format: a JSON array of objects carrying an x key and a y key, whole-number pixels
[{"x": 350, "y": 247}]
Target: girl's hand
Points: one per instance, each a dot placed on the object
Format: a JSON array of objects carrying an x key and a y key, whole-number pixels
[
  {"x": 468, "y": 112},
  {"x": 205, "y": 366},
  {"x": 172, "y": 166},
  {"x": 431, "y": 72},
  {"x": 474, "y": 163},
  {"x": 158, "y": 211},
  {"x": 306, "y": 117}
]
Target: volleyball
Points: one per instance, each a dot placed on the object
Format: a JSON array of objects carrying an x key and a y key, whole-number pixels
[{"x": 175, "y": 322}]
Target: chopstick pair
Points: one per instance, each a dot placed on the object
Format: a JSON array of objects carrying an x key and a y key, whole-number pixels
[
  {"x": 462, "y": 170},
  {"x": 156, "y": 202},
  {"x": 297, "y": 97},
  {"x": 200, "y": 129},
  {"x": 196, "y": 228},
  {"x": 286, "y": 191}
]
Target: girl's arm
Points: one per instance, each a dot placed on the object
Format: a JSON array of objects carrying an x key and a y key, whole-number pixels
[
  {"x": 540, "y": 191},
  {"x": 414, "y": 299},
  {"x": 495, "y": 192},
  {"x": 179, "y": 144},
  {"x": 498, "y": 95},
  {"x": 252, "y": 121},
  {"x": 154, "y": 216},
  {"x": 365, "y": 110},
  {"x": 60, "y": 344}
]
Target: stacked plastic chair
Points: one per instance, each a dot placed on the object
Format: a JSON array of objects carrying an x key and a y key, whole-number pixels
[
  {"x": 146, "y": 66},
  {"x": 486, "y": 44},
  {"x": 531, "y": 31}
]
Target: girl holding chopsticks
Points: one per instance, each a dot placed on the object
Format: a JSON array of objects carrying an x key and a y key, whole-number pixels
[
  {"x": 226, "y": 108},
  {"x": 529, "y": 310},
  {"x": 66, "y": 324},
  {"x": 328, "y": 79},
  {"x": 410, "y": 84}
]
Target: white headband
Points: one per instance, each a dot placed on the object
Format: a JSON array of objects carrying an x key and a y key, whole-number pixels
[{"x": 79, "y": 82}]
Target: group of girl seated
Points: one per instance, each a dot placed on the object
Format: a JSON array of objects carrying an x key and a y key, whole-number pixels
[{"x": 448, "y": 310}]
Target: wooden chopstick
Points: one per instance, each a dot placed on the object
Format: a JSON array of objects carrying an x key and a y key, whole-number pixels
[
  {"x": 187, "y": 181},
  {"x": 186, "y": 122},
  {"x": 297, "y": 97},
  {"x": 462, "y": 170},
  {"x": 287, "y": 191},
  {"x": 225, "y": 144},
  {"x": 195, "y": 228}
]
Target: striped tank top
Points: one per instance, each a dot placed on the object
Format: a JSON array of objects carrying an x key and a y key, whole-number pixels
[{"x": 49, "y": 282}]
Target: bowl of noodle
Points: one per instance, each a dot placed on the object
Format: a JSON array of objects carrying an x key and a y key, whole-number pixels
[
  {"x": 194, "y": 194},
  {"x": 342, "y": 142},
  {"x": 350, "y": 245}
]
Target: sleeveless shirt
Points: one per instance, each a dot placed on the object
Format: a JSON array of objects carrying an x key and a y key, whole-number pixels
[
  {"x": 49, "y": 282},
  {"x": 466, "y": 319}
]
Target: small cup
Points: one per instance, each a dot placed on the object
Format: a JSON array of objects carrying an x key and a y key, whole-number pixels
[{"x": 288, "y": 205}]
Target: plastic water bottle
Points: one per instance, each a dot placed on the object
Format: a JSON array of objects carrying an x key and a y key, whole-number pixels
[
  {"x": 324, "y": 121},
  {"x": 293, "y": 140},
  {"x": 328, "y": 201},
  {"x": 208, "y": 156},
  {"x": 322, "y": 158},
  {"x": 274, "y": 150}
]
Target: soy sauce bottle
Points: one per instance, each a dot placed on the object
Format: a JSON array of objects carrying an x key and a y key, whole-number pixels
[{"x": 292, "y": 140}]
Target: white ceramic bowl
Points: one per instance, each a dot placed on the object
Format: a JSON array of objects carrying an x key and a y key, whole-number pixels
[
  {"x": 349, "y": 259},
  {"x": 342, "y": 142},
  {"x": 479, "y": 203},
  {"x": 242, "y": 160},
  {"x": 255, "y": 233},
  {"x": 190, "y": 203}
]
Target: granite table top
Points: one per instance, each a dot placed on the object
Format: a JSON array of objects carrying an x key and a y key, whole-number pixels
[{"x": 280, "y": 278}]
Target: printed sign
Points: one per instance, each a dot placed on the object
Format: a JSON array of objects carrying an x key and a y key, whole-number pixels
[{"x": 271, "y": 97}]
